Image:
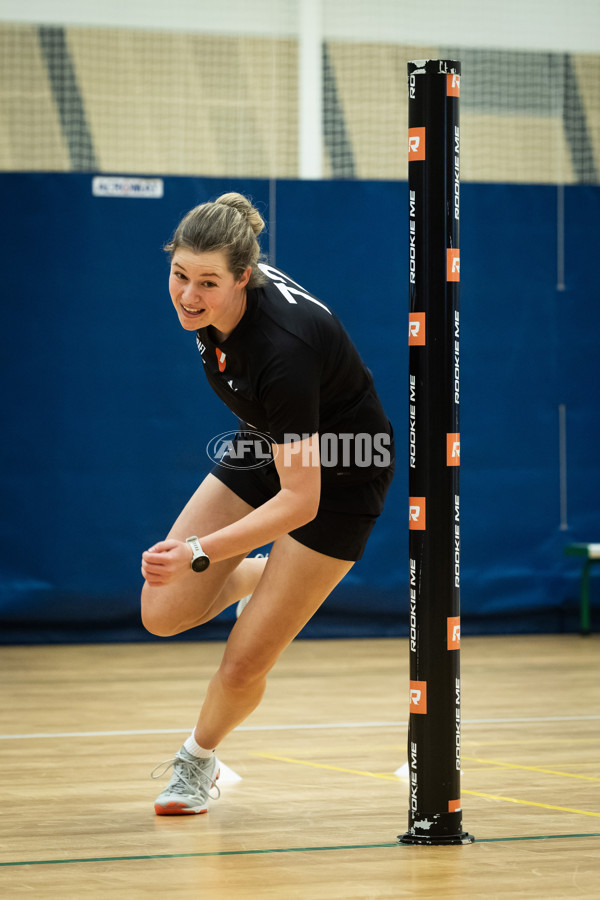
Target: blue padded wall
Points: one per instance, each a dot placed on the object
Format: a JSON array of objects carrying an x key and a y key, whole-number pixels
[{"x": 105, "y": 415}]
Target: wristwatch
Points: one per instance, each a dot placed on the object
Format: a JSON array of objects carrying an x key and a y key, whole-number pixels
[{"x": 200, "y": 560}]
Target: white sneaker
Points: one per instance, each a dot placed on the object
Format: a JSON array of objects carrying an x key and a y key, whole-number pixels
[{"x": 188, "y": 791}]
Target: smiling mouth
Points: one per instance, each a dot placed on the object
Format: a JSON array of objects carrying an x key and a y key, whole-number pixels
[{"x": 192, "y": 312}]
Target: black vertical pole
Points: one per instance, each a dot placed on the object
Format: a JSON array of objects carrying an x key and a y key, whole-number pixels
[{"x": 435, "y": 815}]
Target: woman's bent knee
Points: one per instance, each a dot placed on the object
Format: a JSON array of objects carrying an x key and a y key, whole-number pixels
[
  {"x": 169, "y": 610},
  {"x": 154, "y": 612}
]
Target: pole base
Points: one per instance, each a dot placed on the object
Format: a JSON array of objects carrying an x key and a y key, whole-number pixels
[
  {"x": 435, "y": 828},
  {"x": 436, "y": 840}
]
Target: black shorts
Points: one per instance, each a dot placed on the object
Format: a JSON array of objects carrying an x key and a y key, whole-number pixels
[{"x": 348, "y": 508}]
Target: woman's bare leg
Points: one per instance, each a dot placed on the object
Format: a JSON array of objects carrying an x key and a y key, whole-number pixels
[
  {"x": 198, "y": 597},
  {"x": 295, "y": 583}
]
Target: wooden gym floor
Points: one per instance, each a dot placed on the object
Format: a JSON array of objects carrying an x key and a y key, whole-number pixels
[{"x": 318, "y": 807}]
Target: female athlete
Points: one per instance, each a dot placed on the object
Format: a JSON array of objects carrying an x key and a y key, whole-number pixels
[{"x": 307, "y": 471}]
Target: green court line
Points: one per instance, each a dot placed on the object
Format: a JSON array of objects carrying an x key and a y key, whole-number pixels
[
  {"x": 96, "y": 859},
  {"x": 538, "y": 837}
]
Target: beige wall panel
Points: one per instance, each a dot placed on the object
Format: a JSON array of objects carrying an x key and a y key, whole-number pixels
[
  {"x": 587, "y": 69},
  {"x": 30, "y": 132},
  {"x": 514, "y": 149}
]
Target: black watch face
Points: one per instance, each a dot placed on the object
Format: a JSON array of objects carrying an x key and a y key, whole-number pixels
[{"x": 200, "y": 563}]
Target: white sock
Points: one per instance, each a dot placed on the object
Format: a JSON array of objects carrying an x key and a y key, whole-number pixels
[{"x": 195, "y": 749}]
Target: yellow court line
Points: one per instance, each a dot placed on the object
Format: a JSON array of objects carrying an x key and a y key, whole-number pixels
[
  {"x": 506, "y": 765},
  {"x": 470, "y": 742},
  {"x": 581, "y": 812},
  {"x": 304, "y": 762}
]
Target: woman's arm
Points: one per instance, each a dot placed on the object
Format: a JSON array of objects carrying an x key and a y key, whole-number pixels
[{"x": 299, "y": 470}]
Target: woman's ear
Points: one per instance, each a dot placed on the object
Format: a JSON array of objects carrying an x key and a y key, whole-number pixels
[{"x": 245, "y": 277}]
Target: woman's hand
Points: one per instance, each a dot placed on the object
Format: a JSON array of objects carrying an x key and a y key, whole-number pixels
[{"x": 166, "y": 561}]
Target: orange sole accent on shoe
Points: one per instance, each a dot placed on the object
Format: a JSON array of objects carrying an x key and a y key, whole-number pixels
[{"x": 176, "y": 809}]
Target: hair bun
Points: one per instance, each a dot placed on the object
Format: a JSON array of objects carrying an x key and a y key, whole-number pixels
[{"x": 245, "y": 208}]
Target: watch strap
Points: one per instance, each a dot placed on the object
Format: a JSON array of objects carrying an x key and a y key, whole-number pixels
[{"x": 197, "y": 554}]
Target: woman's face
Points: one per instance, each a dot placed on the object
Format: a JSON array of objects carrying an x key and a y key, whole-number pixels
[{"x": 204, "y": 292}]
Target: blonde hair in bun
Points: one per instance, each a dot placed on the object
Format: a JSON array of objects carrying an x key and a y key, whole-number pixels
[{"x": 230, "y": 224}]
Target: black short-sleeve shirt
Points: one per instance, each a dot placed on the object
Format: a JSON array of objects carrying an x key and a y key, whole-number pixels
[{"x": 289, "y": 368}]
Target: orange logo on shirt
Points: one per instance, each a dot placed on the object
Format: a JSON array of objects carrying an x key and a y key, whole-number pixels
[
  {"x": 416, "y": 144},
  {"x": 221, "y": 359}
]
